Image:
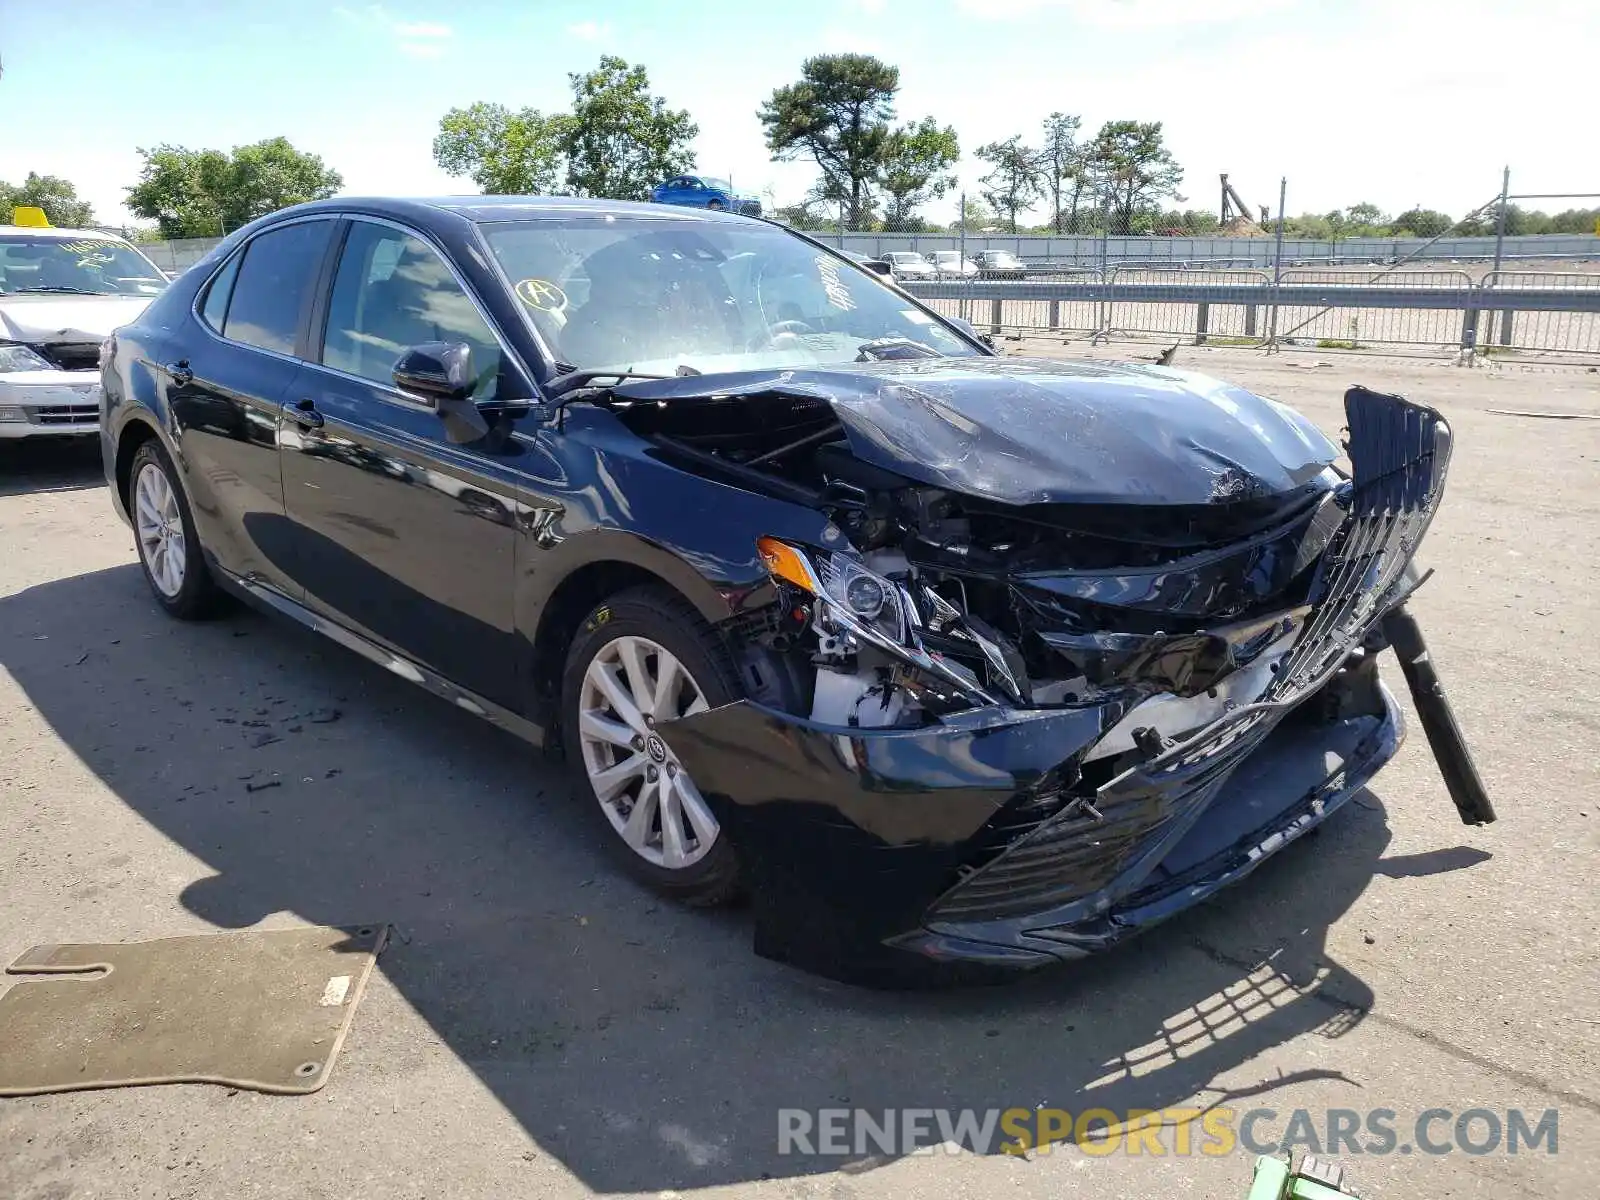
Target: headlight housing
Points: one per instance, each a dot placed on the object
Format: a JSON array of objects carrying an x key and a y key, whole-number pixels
[
  {"x": 15, "y": 357},
  {"x": 862, "y": 607}
]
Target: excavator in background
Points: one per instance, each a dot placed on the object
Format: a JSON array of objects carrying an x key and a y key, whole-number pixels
[{"x": 1235, "y": 214}]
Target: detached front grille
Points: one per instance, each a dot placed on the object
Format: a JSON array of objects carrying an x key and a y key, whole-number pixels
[
  {"x": 1399, "y": 456},
  {"x": 70, "y": 356},
  {"x": 1399, "y": 453},
  {"x": 1078, "y": 852},
  {"x": 66, "y": 414}
]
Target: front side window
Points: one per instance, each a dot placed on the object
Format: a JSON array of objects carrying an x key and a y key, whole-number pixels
[
  {"x": 393, "y": 291},
  {"x": 655, "y": 295},
  {"x": 274, "y": 282},
  {"x": 92, "y": 265}
]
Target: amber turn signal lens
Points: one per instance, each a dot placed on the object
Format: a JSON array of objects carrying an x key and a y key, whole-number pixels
[{"x": 785, "y": 563}]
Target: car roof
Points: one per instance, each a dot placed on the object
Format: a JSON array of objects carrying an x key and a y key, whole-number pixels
[
  {"x": 428, "y": 210},
  {"x": 56, "y": 233}
]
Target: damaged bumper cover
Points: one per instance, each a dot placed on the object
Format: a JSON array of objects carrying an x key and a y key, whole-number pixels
[{"x": 877, "y": 854}]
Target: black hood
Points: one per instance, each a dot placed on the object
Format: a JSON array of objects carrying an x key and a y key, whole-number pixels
[{"x": 1037, "y": 431}]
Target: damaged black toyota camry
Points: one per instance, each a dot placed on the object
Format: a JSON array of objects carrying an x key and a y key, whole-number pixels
[{"x": 951, "y": 662}]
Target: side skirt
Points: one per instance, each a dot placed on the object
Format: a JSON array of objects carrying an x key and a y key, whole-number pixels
[{"x": 270, "y": 600}]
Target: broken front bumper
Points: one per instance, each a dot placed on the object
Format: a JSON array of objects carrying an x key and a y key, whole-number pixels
[
  {"x": 881, "y": 855},
  {"x": 877, "y": 854}
]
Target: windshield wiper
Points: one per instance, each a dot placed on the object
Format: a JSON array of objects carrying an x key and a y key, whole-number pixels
[
  {"x": 576, "y": 381},
  {"x": 77, "y": 291}
]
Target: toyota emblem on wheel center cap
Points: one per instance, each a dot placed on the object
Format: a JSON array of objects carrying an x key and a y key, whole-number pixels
[{"x": 656, "y": 747}]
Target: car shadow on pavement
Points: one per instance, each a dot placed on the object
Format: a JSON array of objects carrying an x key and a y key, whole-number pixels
[
  {"x": 50, "y": 465},
  {"x": 643, "y": 1045}
]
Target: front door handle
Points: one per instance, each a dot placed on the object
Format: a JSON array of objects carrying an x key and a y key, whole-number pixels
[
  {"x": 306, "y": 414},
  {"x": 180, "y": 372}
]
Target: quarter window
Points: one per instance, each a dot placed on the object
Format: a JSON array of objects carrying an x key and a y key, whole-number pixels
[
  {"x": 216, "y": 305},
  {"x": 393, "y": 291},
  {"x": 274, "y": 281}
]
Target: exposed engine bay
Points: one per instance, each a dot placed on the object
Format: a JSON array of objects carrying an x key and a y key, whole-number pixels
[{"x": 928, "y": 600}]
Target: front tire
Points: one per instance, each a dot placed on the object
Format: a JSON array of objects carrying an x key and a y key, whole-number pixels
[
  {"x": 642, "y": 657},
  {"x": 716, "y": 205},
  {"x": 164, "y": 535}
]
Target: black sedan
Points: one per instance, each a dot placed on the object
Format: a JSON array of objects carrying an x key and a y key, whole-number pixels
[{"x": 945, "y": 660}]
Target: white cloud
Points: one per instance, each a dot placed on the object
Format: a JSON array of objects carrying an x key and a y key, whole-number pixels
[
  {"x": 421, "y": 29},
  {"x": 414, "y": 39},
  {"x": 1126, "y": 14},
  {"x": 590, "y": 31}
]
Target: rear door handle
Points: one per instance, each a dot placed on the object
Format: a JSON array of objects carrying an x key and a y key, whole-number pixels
[
  {"x": 306, "y": 414},
  {"x": 180, "y": 372}
]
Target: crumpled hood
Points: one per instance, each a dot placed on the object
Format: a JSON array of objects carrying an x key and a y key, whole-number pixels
[
  {"x": 46, "y": 317},
  {"x": 1038, "y": 431}
]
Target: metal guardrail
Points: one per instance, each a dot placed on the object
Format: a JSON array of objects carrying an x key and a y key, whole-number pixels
[{"x": 1550, "y": 312}]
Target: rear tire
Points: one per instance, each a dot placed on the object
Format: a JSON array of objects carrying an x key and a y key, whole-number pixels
[
  {"x": 642, "y": 654},
  {"x": 164, "y": 535}
]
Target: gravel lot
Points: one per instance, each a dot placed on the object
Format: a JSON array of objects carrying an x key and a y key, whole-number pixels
[{"x": 541, "y": 1027}]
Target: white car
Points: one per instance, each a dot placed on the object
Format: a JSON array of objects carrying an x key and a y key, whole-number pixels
[
  {"x": 908, "y": 264},
  {"x": 950, "y": 262},
  {"x": 61, "y": 292}
]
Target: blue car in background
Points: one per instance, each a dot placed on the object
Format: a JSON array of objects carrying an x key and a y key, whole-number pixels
[{"x": 702, "y": 191}]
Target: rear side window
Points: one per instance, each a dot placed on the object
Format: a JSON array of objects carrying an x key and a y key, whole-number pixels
[
  {"x": 273, "y": 284},
  {"x": 216, "y": 306}
]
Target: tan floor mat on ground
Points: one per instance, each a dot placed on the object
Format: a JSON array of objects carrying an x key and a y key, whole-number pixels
[{"x": 266, "y": 1010}]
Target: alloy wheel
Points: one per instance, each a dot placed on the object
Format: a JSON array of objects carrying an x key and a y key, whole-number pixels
[
  {"x": 631, "y": 686},
  {"x": 159, "y": 526}
]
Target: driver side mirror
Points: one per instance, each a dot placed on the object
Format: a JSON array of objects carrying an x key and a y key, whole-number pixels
[
  {"x": 436, "y": 371},
  {"x": 878, "y": 266},
  {"x": 440, "y": 374}
]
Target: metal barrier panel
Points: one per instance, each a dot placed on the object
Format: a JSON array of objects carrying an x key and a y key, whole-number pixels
[
  {"x": 1501, "y": 325},
  {"x": 1022, "y": 305},
  {"x": 1355, "y": 328},
  {"x": 1200, "y": 321},
  {"x": 1440, "y": 310}
]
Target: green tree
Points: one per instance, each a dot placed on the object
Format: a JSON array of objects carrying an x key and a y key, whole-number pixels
[
  {"x": 209, "y": 193},
  {"x": 916, "y": 168},
  {"x": 1422, "y": 222},
  {"x": 1365, "y": 220},
  {"x": 620, "y": 140},
  {"x": 977, "y": 215},
  {"x": 1064, "y": 176},
  {"x": 503, "y": 152},
  {"x": 837, "y": 114},
  {"x": 1130, "y": 160},
  {"x": 55, "y": 195},
  {"x": 1015, "y": 179}
]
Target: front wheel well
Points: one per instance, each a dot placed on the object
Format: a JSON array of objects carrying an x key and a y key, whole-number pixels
[{"x": 573, "y": 600}]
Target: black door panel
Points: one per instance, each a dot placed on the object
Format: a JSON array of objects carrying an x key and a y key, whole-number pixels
[
  {"x": 226, "y": 391},
  {"x": 399, "y": 535}
]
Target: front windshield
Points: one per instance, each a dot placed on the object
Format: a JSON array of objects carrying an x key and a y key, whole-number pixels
[
  {"x": 91, "y": 265},
  {"x": 654, "y": 296},
  {"x": 721, "y": 185}
]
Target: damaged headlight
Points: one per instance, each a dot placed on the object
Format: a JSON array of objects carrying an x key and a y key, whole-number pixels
[
  {"x": 857, "y": 603},
  {"x": 15, "y": 357}
]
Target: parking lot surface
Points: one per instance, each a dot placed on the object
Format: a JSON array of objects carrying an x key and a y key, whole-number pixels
[{"x": 540, "y": 1026}]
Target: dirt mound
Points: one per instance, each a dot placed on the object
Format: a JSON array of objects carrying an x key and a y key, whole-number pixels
[{"x": 1242, "y": 227}]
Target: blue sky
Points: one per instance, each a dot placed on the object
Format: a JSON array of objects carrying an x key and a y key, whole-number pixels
[{"x": 1393, "y": 101}]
